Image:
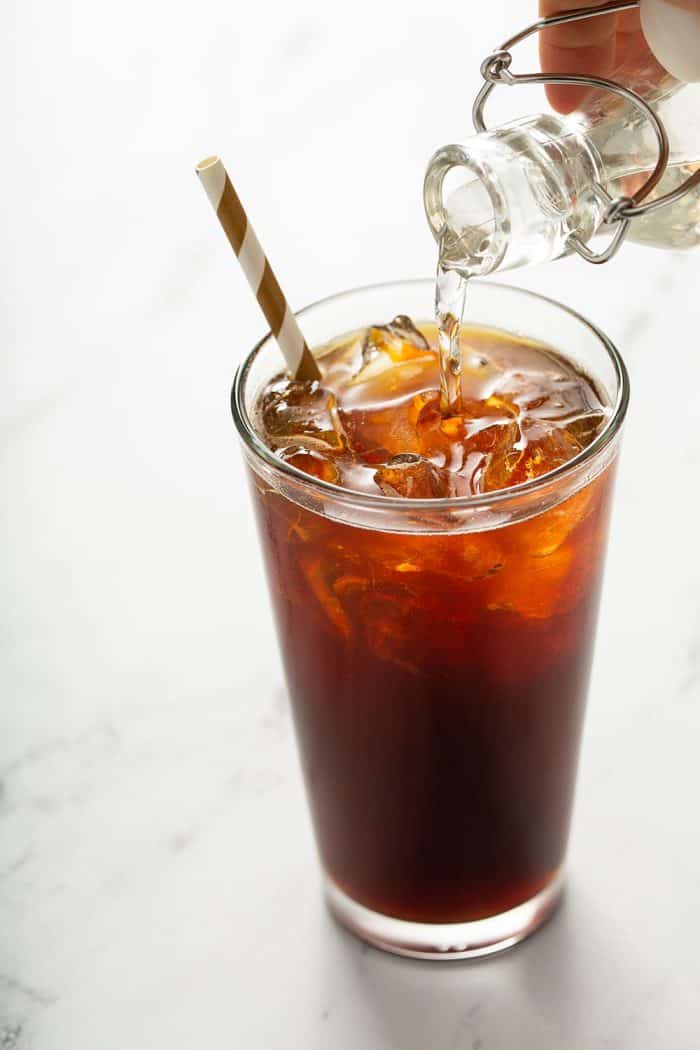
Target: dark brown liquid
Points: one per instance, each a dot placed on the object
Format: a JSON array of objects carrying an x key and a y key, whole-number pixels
[{"x": 438, "y": 681}]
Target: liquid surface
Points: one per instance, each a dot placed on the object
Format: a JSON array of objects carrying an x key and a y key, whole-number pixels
[{"x": 377, "y": 421}]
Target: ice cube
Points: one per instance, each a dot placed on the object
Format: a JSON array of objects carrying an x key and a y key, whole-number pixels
[
  {"x": 572, "y": 406},
  {"x": 400, "y": 339},
  {"x": 547, "y": 449},
  {"x": 303, "y": 413},
  {"x": 405, "y": 426},
  {"x": 585, "y": 428},
  {"x": 319, "y": 575},
  {"x": 535, "y": 452},
  {"x": 556, "y": 401},
  {"x": 543, "y": 535},
  {"x": 386, "y": 345},
  {"x": 425, "y": 415},
  {"x": 501, "y": 448},
  {"x": 560, "y": 398},
  {"x": 531, "y": 588},
  {"x": 386, "y": 614},
  {"x": 413, "y": 477},
  {"x": 312, "y": 462}
]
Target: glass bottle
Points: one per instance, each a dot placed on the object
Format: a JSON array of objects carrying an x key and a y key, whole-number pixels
[{"x": 514, "y": 195}]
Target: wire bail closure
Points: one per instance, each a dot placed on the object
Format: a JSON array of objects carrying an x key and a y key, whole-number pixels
[{"x": 619, "y": 211}]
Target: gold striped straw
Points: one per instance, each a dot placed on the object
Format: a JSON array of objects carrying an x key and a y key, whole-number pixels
[{"x": 257, "y": 269}]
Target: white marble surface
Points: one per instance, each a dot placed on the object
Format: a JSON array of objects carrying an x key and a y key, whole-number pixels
[{"x": 158, "y": 886}]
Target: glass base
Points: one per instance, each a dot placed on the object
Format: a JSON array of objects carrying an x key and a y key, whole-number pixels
[{"x": 455, "y": 940}]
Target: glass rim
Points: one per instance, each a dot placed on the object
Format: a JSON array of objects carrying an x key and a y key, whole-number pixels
[{"x": 378, "y": 501}]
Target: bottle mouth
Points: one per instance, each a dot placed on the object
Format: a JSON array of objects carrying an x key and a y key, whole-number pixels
[{"x": 466, "y": 213}]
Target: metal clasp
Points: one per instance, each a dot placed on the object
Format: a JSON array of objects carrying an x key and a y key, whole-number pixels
[{"x": 619, "y": 211}]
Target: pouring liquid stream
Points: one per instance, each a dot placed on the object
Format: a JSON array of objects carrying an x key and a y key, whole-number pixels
[{"x": 450, "y": 297}]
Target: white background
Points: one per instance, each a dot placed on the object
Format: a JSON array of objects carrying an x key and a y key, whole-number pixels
[{"x": 158, "y": 886}]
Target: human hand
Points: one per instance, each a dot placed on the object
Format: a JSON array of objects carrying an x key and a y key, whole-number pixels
[{"x": 595, "y": 46}]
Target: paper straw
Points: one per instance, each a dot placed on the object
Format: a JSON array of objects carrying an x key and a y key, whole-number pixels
[{"x": 257, "y": 269}]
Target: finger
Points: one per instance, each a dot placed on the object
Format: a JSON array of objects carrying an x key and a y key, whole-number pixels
[
  {"x": 576, "y": 48},
  {"x": 631, "y": 49}
]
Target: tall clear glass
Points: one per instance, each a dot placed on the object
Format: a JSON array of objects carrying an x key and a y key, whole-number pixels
[{"x": 437, "y": 655}]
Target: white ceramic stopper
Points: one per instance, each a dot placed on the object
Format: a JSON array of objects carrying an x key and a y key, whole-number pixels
[{"x": 672, "y": 31}]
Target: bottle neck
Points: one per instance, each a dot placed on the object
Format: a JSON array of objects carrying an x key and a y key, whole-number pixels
[{"x": 512, "y": 196}]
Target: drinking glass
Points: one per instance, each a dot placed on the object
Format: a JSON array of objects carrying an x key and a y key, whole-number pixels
[{"x": 437, "y": 653}]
